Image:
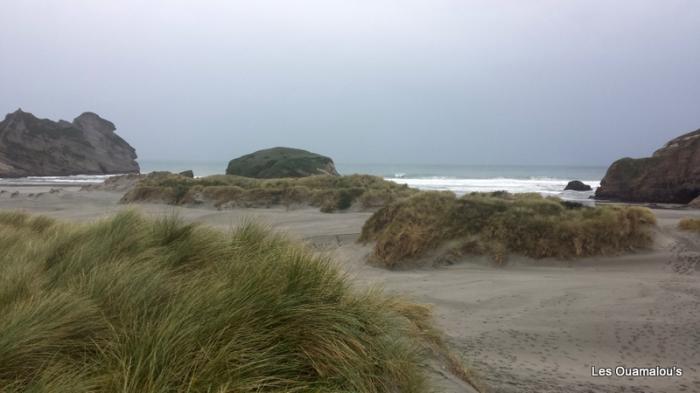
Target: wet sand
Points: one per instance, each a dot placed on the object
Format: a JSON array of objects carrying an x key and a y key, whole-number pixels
[{"x": 531, "y": 326}]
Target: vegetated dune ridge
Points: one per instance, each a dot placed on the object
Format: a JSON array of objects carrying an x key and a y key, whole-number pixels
[
  {"x": 330, "y": 193},
  {"x": 528, "y": 326},
  {"x": 499, "y": 224},
  {"x": 131, "y": 304}
]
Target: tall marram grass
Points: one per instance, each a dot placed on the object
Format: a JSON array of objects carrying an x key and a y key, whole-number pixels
[
  {"x": 129, "y": 304},
  {"x": 500, "y": 223}
]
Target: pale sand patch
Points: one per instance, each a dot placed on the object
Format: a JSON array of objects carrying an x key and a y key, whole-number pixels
[{"x": 531, "y": 326}]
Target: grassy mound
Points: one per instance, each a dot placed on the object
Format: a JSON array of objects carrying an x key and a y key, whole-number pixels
[
  {"x": 689, "y": 224},
  {"x": 330, "y": 193},
  {"x": 499, "y": 223},
  {"x": 134, "y": 305}
]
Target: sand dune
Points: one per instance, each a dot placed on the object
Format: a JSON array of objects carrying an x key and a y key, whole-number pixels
[{"x": 532, "y": 326}]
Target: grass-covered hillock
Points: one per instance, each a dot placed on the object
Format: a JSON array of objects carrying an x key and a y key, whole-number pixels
[
  {"x": 280, "y": 162},
  {"x": 330, "y": 193},
  {"x": 129, "y": 304},
  {"x": 500, "y": 223}
]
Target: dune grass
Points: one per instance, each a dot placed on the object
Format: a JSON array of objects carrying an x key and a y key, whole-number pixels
[
  {"x": 500, "y": 223},
  {"x": 689, "y": 224},
  {"x": 129, "y": 304},
  {"x": 329, "y": 193}
]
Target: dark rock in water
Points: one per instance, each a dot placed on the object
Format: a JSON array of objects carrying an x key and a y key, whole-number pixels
[
  {"x": 188, "y": 173},
  {"x": 670, "y": 175},
  {"x": 281, "y": 162},
  {"x": 577, "y": 185},
  {"x": 30, "y": 146}
]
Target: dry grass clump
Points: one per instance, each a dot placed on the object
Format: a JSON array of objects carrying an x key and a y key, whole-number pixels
[
  {"x": 689, "y": 224},
  {"x": 329, "y": 193},
  {"x": 129, "y": 304},
  {"x": 499, "y": 223}
]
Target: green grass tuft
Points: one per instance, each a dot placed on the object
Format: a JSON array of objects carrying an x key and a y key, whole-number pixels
[
  {"x": 689, "y": 224},
  {"x": 499, "y": 223},
  {"x": 130, "y": 304}
]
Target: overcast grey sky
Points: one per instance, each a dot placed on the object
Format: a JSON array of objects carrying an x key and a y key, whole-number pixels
[{"x": 375, "y": 81}]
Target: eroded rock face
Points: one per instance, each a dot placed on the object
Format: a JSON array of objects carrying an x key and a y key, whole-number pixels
[
  {"x": 670, "y": 175},
  {"x": 577, "y": 185},
  {"x": 30, "y": 146},
  {"x": 281, "y": 162}
]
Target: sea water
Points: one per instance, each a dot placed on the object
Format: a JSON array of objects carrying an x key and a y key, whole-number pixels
[{"x": 461, "y": 179}]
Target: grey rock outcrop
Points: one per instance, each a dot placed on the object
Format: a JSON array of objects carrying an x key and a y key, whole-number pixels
[
  {"x": 30, "y": 146},
  {"x": 670, "y": 175},
  {"x": 188, "y": 173},
  {"x": 577, "y": 185}
]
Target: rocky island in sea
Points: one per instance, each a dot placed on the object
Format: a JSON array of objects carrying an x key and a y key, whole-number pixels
[
  {"x": 30, "y": 146},
  {"x": 279, "y": 162}
]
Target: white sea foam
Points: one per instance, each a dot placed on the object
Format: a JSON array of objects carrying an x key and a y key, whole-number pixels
[
  {"x": 541, "y": 185},
  {"x": 50, "y": 180}
]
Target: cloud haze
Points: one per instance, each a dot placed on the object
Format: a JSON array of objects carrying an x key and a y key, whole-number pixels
[{"x": 464, "y": 82}]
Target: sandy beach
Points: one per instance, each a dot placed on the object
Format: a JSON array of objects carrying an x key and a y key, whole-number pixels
[{"x": 531, "y": 326}]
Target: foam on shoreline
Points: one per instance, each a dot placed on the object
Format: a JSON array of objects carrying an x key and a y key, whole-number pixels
[{"x": 541, "y": 185}]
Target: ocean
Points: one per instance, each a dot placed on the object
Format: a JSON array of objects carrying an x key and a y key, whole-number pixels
[{"x": 461, "y": 179}]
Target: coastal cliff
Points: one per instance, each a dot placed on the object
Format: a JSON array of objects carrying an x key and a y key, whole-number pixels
[
  {"x": 670, "y": 175},
  {"x": 30, "y": 146}
]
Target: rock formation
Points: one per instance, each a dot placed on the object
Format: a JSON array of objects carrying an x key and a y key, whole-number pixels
[
  {"x": 188, "y": 173},
  {"x": 30, "y": 146},
  {"x": 281, "y": 162},
  {"x": 670, "y": 175},
  {"x": 577, "y": 185}
]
